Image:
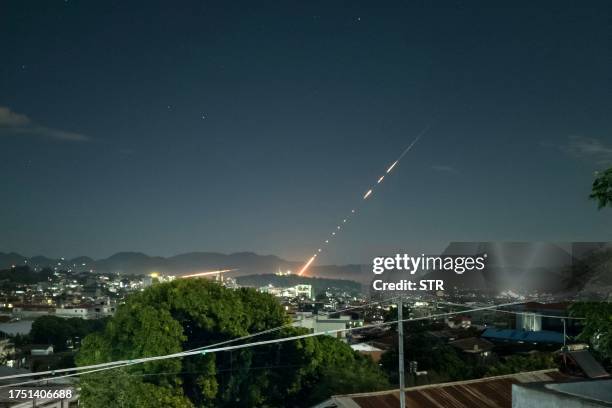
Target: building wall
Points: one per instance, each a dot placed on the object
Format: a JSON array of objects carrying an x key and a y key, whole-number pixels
[
  {"x": 529, "y": 322},
  {"x": 528, "y": 397},
  {"x": 72, "y": 312}
]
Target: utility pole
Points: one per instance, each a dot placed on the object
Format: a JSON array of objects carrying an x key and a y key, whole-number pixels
[{"x": 400, "y": 334}]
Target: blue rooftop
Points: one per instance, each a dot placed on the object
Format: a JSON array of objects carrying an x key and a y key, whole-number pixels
[{"x": 542, "y": 336}]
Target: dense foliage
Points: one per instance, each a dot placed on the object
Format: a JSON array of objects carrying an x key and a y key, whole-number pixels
[
  {"x": 518, "y": 363},
  {"x": 602, "y": 189},
  {"x": 597, "y": 325},
  {"x": 441, "y": 361},
  {"x": 59, "y": 331},
  {"x": 185, "y": 314}
]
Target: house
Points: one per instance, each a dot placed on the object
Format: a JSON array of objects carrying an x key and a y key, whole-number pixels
[
  {"x": 71, "y": 311},
  {"x": 366, "y": 349},
  {"x": 41, "y": 349},
  {"x": 523, "y": 336},
  {"x": 536, "y": 316},
  {"x": 335, "y": 327},
  {"x": 474, "y": 348},
  {"x": 463, "y": 322}
]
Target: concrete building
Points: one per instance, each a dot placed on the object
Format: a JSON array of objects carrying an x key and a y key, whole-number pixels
[
  {"x": 41, "y": 349},
  {"x": 67, "y": 312},
  {"x": 529, "y": 321},
  {"x": 304, "y": 290},
  {"x": 323, "y": 323},
  {"x": 575, "y": 394},
  {"x": 103, "y": 307},
  {"x": 545, "y": 316}
]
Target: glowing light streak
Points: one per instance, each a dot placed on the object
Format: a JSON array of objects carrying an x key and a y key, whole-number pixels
[
  {"x": 366, "y": 195},
  {"x": 208, "y": 273},
  {"x": 391, "y": 167},
  {"x": 311, "y": 260}
]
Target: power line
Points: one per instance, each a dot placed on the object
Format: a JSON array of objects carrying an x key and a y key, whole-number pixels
[
  {"x": 522, "y": 313},
  {"x": 290, "y": 324},
  {"x": 119, "y": 363},
  {"x": 215, "y": 344},
  {"x": 209, "y": 346}
]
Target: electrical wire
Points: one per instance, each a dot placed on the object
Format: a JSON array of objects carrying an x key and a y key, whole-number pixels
[{"x": 115, "y": 364}]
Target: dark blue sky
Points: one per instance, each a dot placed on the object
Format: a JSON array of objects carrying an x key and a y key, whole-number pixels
[{"x": 168, "y": 127}]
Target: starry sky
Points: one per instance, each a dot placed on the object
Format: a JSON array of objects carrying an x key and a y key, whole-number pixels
[{"x": 168, "y": 127}]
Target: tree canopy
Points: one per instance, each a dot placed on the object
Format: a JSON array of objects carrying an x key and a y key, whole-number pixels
[
  {"x": 597, "y": 325},
  {"x": 57, "y": 331},
  {"x": 602, "y": 189},
  {"x": 184, "y": 314},
  {"x": 516, "y": 364}
]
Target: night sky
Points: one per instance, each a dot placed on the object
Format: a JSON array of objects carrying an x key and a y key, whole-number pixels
[{"x": 168, "y": 127}]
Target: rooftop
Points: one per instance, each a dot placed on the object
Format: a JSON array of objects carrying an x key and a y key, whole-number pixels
[
  {"x": 364, "y": 347},
  {"x": 589, "y": 393},
  {"x": 541, "y": 336},
  {"x": 490, "y": 392},
  {"x": 587, "y": 363},
  {"x": 472, "y": 344}
]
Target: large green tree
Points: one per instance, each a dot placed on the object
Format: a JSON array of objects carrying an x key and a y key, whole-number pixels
[
  {"x": 602, "y": 189},
  {"x": 597, "y": 328},
  {"x": 441, "y": 361},
  {"x": 184, "y": 314}
]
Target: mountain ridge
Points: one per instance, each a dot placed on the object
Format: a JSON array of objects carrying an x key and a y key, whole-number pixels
[{"x": 139, "y": 263}]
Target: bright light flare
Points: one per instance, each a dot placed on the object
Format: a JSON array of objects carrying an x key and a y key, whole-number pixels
[
  {"x": 311, "y": 260},
  {"x": 208, "y": 273},
  {"x": 365, "y": 196},
  {"x": 392, "y": 166}
]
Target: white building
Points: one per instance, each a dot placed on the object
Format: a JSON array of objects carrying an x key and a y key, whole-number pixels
[
  {"x": 529, "y": 322},
  {"x": 67, "y": 312},
  {"x": 304, "y": 290},
  {"x": 42, "y": 350},
  {"x": 325, "y": 324}
]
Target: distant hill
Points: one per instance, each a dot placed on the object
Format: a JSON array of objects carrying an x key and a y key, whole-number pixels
[
  {"x": 563, "y": 268},
  {"x": 137, "y": 263}
]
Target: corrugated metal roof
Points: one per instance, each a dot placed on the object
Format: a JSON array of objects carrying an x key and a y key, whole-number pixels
[
  {"x": 588, "y": 364},
  {"x": 541, "y": 336},
  {"x": 491, "y": 392}
]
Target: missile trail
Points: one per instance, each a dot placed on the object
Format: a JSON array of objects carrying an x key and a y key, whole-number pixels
[
  {"x": 311, "y": 260},
  {"x": 207, "y": 273},
  {"x": 365, "y": 197},
  {"x": 391, "y": 168}
]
